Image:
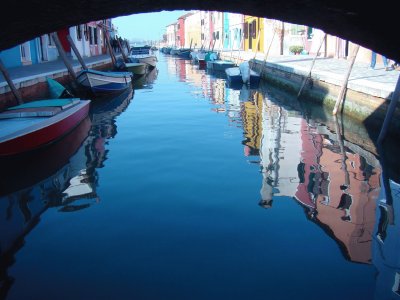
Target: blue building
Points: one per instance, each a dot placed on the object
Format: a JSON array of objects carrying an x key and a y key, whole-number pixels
[{"x": 227, "y": 37}]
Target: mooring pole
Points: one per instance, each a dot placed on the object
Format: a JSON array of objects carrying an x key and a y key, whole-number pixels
[
  {"x": 7, "y": 77},
  {"x": 266, "y": 55},
  {"x": 311, "y": 67},
  {"x": 114, "y": 60},
  {"x": 78, "y": 55},
  {"x": 390, "y": 112},
  {"x": 346, "y": 80},
  {"x": 122, "y": 50},
  {"x": 63, "y": 56}
]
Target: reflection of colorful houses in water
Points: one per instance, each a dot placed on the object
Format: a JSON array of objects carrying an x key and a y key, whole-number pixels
[
  {"x": 280, "y": 149},
  {"x": 338, "y": 197},
  {"x": 252, "y": 119},
  {"x": 218, "y": 96},
  {"x": 181, "y": 66},
  {"x": 233, "y": 107},
  {"x": 309, "y": 172}
]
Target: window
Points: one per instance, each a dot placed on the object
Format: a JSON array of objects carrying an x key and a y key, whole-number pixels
[
  {"x": 86, "y": 32},
  {"x": 246, "y": 30},
  {"x": 254, "y": 27},
  {"x": 250, "y": 30},
  {"x": 78, "y": 32},
  {"x": 50, "y": 40},
  {"x": 95, "y": 35},
  {"x": 310, "y": 33}
]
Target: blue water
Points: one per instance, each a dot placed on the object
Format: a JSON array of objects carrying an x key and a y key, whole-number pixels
[{"x": 187, "y": 189}]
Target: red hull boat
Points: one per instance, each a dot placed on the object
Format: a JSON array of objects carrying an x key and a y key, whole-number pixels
[{"x": 35, "y": 124}]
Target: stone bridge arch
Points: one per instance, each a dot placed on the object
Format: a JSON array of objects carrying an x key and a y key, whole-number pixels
[{"x": 370, "y": 25}]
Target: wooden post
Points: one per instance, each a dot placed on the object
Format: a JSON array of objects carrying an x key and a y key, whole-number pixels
[
  {"x": 78, "y": 55},
  {"x": 344, "y": 86},
  {"x": 114, "y": 60},
  {"x": 63, "y": 56},
  {"x": 311, "y": 67},
  {"x": 390, "y": 112},
  {"x": 122, "y": 50},
  {"x": 255, "y": 53},
  {"x": 266, "y": 54},
  {"x": 190, "y": 47},
  {"x": 7, "y": 77}
]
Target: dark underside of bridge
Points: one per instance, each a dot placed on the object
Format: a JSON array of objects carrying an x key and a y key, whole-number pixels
[{"x": 372, "y": 25}]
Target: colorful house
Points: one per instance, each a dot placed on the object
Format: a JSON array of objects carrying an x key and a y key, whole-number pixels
[
  {"x": 207, "y": 30},
  {"x": 235, "y": 31},
  {"x": 217, "y": 19},
  {"x": 171, "y": 34},
  {"x": 253, "y": 34},
  {"x": 193, "y": 30}
]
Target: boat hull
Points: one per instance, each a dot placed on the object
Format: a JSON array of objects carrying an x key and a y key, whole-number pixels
[
  {"x": 136, "y": 68},
  {"x": 220, "y": 65},
  {"x": 42, "y": 130},
  {"x": 104, "y": 82},
  {"x": 151, "y": 61}
]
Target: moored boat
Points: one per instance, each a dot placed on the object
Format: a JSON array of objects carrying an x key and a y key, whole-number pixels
[
  {"x": 99, "y": 82},
  {"x": 220, "y": 65},
  {"x": 137, "y": 69},
  {"x": 32, "y": 125},
  {"x": 242, "y": 75},
  {"x": 143, "y": 54}
]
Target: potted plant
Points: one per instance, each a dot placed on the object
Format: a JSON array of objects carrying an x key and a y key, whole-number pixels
[{"x": 296, "y": 49}]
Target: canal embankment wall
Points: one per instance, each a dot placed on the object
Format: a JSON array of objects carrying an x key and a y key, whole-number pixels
[
  {"x": 31, "y": 80},
  {"x": 368, "y": 90}
]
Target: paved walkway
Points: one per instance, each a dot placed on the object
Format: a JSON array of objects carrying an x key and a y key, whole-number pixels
[
  {"x": 30, "y": 72},
  {"x": 376, "y": 82}
]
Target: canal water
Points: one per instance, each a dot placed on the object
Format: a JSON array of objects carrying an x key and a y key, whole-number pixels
[{"x": 187, "y": 189}]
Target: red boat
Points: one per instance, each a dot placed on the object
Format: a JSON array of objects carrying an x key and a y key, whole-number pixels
[{"x": 32, "y": 125}]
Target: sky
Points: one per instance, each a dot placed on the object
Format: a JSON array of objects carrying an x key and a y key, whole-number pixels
[{"x": 147, "y": 26}]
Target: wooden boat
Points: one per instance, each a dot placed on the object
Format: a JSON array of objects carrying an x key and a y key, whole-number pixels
[
  {"x": 184, "y": 53},
  {"x": 234, "y": 76},
  {"x": 35, "y": 124},
  {"x": 137, "y": 68},
  {"x": 174, "y": 51},
  {"x": 220, "y": 65},
  {"x": 99, "y": 82},
  {"x": 143, "y": 54},
  {"x": 242, "y": 75},
  {"x": 249, "y": 76}
]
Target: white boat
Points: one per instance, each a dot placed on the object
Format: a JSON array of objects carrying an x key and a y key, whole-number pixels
[
  {"x": 143, "y": 54},
  {"x": 100, "y": 82}
]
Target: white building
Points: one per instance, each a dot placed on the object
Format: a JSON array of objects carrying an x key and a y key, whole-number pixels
[{"x": 171, "y": 35}]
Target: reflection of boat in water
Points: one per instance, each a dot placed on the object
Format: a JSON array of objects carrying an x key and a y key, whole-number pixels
[
  {"x": 20, "y": 172},
  {"x": 145, "y": 81},
  {"x": 62, "y": 176}
]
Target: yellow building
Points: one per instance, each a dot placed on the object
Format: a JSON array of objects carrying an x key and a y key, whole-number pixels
[
  {"x": 193, "y": 30},
  {"x": 253, "y": 34}
]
